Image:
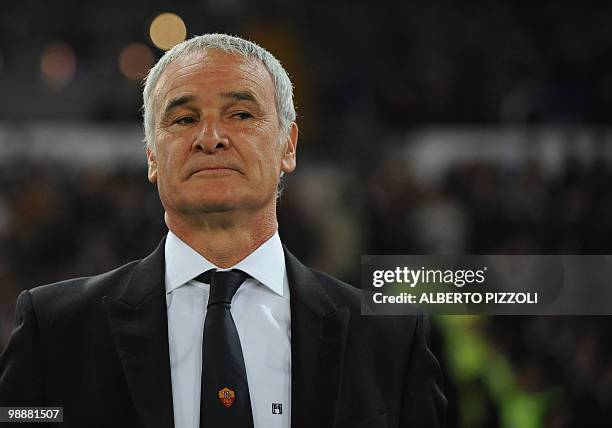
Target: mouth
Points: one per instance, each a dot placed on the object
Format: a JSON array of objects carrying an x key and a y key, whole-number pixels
[{"x": 214, "y": 171}]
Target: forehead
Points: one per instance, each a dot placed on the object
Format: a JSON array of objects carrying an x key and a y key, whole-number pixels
[{"x": 212, "y": 72}]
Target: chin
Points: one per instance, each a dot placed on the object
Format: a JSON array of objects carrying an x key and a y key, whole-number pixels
[
  {"x": 218, "y": 202},
  {"x": 216, "y": 199}
]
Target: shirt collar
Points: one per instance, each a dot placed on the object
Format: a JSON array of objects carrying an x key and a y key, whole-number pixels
[{"x": 266, "y": 264}]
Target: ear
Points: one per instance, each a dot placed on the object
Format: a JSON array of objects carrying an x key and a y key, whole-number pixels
[
  {"x": 288, "y": 161},
  {"x": 152, "y": 163}
]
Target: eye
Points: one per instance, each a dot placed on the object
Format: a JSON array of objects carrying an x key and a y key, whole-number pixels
[
  {"x": 186, "y": 120},
  {"x": 242, "y": 115}
]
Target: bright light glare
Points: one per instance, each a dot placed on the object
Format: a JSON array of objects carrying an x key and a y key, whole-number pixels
[
  {"x": 135, "y": 61},
  {"x": 167, "y": 30},
  {"x": 58, "y": 65}
]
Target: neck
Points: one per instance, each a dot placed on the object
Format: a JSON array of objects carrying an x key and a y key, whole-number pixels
[{"x": 223, "y": 238}]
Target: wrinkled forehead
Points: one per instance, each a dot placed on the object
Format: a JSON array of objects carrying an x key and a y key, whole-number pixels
[{"x": 215, "y": 66}]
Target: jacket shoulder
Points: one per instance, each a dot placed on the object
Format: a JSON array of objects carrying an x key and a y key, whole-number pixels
[{"x": 78, "y": 291}]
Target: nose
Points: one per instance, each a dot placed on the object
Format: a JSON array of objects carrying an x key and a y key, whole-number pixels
[{"x": 210, "y": 136}]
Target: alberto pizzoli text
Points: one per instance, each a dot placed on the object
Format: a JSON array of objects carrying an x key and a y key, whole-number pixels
[{"x": 458, "y": 298}]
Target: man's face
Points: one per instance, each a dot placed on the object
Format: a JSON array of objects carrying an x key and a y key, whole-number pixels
[{"x": 218, "y": 144}]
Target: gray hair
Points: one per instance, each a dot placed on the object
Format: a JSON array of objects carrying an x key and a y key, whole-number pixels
[{"x": 230, "y": 44}]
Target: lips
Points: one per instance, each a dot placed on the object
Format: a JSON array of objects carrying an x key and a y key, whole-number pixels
[{"x": 212, "y": 170}]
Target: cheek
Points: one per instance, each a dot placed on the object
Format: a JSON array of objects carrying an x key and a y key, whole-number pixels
[
  {"x": 170, "y": 159},
  {"x": 269, "y": 165}
]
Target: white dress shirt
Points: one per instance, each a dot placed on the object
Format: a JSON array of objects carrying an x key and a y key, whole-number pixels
[{"x": 261, "y": 312}]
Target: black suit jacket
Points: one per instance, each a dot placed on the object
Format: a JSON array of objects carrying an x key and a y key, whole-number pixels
[{"x": 98, "y": 347}]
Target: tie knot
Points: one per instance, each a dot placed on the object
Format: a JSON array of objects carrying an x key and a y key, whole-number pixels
[{"x": 223, "y": 284}]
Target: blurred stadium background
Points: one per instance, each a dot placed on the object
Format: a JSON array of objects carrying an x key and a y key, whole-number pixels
[{"x": 426, "y": 127}]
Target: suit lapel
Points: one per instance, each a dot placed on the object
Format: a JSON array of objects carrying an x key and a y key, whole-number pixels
[
  {"x": 139, "y": 323},
  {"x": 318, "y": 338}
]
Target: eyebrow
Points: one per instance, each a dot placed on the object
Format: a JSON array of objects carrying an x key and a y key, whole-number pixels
[
  {"x": 240, "y": 96},
  {"x": 177, "y": 102}
]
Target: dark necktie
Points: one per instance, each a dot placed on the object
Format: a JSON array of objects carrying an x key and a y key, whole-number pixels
[{"x": 225, "y": 401}]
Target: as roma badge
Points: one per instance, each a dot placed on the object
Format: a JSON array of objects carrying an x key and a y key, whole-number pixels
[{"x": 227, "y": 396}]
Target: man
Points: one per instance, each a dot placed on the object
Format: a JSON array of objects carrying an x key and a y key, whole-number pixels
[{"x": 149, "y": 345}]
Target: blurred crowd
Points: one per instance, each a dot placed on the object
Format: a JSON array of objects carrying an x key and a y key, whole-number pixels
[
  {"x": 395, "y": 63},
  {"x": 482, "y": 208}
]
